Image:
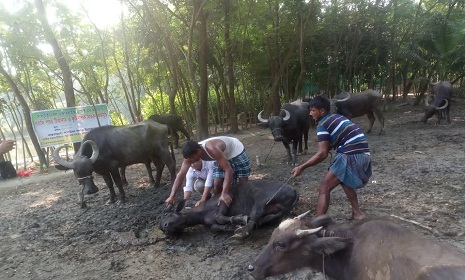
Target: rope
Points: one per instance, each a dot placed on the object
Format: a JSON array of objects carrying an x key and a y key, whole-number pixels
[
  {"x": 292, "y": 176},
  {"x": 270, "y": 151}
]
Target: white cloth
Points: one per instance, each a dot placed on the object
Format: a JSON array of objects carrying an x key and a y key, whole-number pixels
[
  {"x": 205, "y": 173},
  {"x": 233, "y": 146}
]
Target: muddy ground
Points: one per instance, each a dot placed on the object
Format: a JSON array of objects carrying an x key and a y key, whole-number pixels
[{"x": 418, "y": 172}]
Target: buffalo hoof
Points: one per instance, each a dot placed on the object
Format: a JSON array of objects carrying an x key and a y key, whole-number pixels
[{"x": 240, "y": 233}]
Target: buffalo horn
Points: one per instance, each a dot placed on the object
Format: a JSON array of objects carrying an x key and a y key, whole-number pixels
[
  {"x": 95, "y": 150},
  {"x": 344, "y": 99},
  {"x": 307, "y": 232},
  {"x": 260, "y": 117},
  {"x": 444, "y": 106},
  {"x": 301, "y": 216},
  {"x": 288, "y": 115},
  {"x": 59, "y": 160}
]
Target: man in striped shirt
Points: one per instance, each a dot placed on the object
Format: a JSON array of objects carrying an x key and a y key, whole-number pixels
[{"x": 352, "y": 164}]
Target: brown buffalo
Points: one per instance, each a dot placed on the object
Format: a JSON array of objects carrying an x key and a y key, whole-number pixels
[{"x": 373, "y": 249}]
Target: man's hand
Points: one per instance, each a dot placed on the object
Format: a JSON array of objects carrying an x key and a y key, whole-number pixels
[
  {"x": 226, "y": 198},
  {"x": 6, "y": 146},
  {"x": 199, "y": 202},
  {"x": 297, "y": 170},
  {"x": 169, "y": 200}
]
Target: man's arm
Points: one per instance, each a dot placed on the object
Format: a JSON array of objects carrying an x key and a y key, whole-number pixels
[
  {"x": 215, "y": 148},
  {"x": 319, "y": 156},
  {"x": 178, "y": 181}
]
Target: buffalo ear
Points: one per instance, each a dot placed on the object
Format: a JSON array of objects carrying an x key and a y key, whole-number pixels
[
  {"x": 322, "y": 221},
  {"x": 180, "y": 205},
  {"x": 168, "y": 208},
  {"x": 329, "y": 245}
]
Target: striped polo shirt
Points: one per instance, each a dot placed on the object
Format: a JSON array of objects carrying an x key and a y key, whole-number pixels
[{"x": 342, "y": 134}]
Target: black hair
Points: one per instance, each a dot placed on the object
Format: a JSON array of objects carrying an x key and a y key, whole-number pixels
[
  {"x": 190, "y": 148},
  {"x": 320, "y": 102}
]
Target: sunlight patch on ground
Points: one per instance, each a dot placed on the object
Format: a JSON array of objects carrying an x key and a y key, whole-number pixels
[
  {"x": 256, "y": 176},
  {"x": 45, "y": 201}
]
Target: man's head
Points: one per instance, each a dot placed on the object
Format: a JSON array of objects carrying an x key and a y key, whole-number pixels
[
  {"x": 192, "y": 151},
  {"x": 319, "y": 106}
]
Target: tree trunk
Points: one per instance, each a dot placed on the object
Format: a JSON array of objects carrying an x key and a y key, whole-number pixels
[
  {"x": 27, "y": 116},
  {"x": 59, "y": 56}
]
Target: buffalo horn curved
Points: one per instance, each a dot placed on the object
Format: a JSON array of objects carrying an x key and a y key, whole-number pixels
[
  {"x": 307, "y": 232},
  {"x": 444, "y": 106},
  {"x": 95, "y": 150},
  {"x": 59, "y": 160},
  {"x": 288, "y": 115},
  {"x": 260, "y": 117},
  {"x": 344, "y": 99}
]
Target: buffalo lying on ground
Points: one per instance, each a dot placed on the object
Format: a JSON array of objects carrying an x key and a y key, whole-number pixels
[
  {"x": 107, "y": 148},
  {"x": 373, "y": 249},
  {"x": 368, "y": 102},
  {"x": 255, "y": 203},
  {"x": 442, "y": 92},
  {"x": 174, "y": 122},
  {"x": 290, "y": 127}
]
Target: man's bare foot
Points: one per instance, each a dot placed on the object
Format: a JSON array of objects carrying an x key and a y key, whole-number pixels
[{"x": 358, "y": 216}]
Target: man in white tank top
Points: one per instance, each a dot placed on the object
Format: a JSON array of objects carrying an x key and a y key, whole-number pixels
[{"x": 231, "y": 164}]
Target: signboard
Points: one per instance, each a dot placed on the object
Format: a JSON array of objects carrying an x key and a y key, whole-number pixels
[{"x": 67, "y": 125}]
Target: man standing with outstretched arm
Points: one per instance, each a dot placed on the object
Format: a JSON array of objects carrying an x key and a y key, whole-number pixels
[{"x": 352, "y": 164}]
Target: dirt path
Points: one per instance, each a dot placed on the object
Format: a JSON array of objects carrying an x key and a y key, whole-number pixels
[{"x": 417, "y": 175}]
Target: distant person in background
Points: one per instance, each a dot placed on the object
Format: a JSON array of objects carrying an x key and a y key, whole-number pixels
[
  {"x": 199, "y": 176},
  {"x": 6, "y": 146},
  {"x": 7, "y": 169}
]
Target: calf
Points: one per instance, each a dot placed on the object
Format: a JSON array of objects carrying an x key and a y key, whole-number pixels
[
  {"x": 377, "y": 249},
  {"x": 256, "y": 202}
]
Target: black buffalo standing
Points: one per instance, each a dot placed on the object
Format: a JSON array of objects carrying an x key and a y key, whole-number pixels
[
  {"x": 377, "y": 249},
  {"x": 290, "y": 127},
  {"x": 107, "y": 148},
  {"x": 174, "y": 122},
  {"x": 256, "y": 202},
  {"x": 442, "y": 92},
  {"x": 368, "y": 102}
]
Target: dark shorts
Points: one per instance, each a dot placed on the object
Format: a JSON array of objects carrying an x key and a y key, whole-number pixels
[
  {"x": 353, "y": 171},
  {"x": 240, "y": 165}
]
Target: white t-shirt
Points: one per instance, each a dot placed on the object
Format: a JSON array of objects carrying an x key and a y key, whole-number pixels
[
  {"x": 205, "y": 173},
  {"x": 233, "y": 146}
]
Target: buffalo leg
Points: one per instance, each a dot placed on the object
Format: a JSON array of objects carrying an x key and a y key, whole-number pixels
[
  {"x": 371, "y": 118},
  {"x": 109, "y": 183},
  {"x": 288, "y": 149},
  {"x": 170, "y": 164},
  {"x": 224, "y": 228},
  {"x": 119, "y": 184},
  {"x": 380, "y": 117},
  {"x": 148, "y": 167},
  {"x": 122, "y": 173},
  {"x": 255, "y": 215},
  {"x": 159, "y": 166}
]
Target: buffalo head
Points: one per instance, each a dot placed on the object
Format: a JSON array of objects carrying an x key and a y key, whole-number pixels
[
  {"x": 171, "y": 221},
  {"x": 294, "y": 244},
  {"x": 276, "y": 124},
  {"x": 344, "y": 96},
  {"x": 81, "y": 165}
]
